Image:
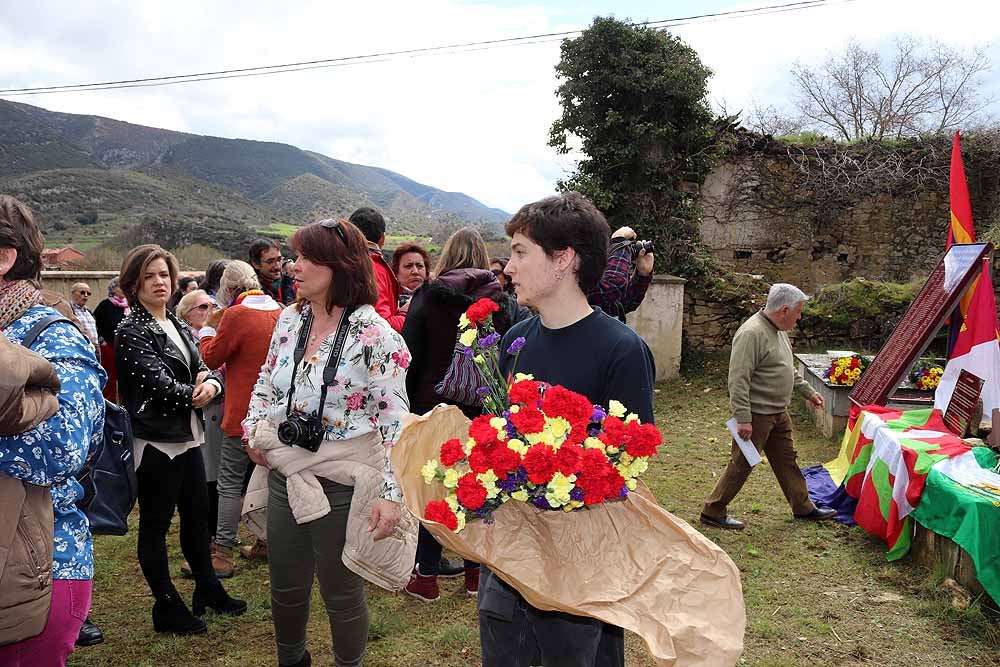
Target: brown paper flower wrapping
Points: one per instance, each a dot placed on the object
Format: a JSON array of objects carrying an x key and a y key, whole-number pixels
[{"x": 629, "y": 563}]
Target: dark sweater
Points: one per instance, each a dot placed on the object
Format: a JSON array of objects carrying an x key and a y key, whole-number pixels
[
  {"x": 598, "y": 357},
  {"x": 432, "y": 325},
  {"x": 108, "y": 316}
]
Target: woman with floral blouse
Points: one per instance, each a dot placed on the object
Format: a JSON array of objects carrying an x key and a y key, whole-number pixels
[{"x": 364, "y": 402}]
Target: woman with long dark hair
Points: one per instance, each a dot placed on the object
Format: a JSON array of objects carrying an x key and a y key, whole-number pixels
[
  {"x": 164, "y": 385},
  {"x": 348, "y": 413}
]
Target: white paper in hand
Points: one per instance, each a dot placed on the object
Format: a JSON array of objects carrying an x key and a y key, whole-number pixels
[{"x": 749, "y": 451}]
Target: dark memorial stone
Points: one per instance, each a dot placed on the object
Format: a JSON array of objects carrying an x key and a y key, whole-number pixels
[
  {"x": 932, "y": 305},
  {"x": 964, "y": 400}
]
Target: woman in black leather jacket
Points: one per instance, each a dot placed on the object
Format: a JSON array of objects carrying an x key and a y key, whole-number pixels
[{"x": 164, "y": 384}]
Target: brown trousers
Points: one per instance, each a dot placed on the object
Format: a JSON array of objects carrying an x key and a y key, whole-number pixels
[{"x": 772, "y": 435}]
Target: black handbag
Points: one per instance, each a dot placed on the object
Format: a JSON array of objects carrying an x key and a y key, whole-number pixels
[{"x": 110, "y": 487}]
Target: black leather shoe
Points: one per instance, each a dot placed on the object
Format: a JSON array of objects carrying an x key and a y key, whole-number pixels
[
  {"x": 170, "y": 614},
  {"x": 451, "y": 568},
  {"x": 725, "y": 523},
  {"x": 818, "y": 514},
  {"x": 90, "y": 634},
  {"x": 214, "y": 596},
  {"x": 305, "y": 661}
]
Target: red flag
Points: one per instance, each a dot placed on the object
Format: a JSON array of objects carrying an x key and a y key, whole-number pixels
[{"x": 960, "y": 230}]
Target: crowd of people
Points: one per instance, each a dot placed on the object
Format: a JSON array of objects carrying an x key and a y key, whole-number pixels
[{"x": 220, "y": 372}]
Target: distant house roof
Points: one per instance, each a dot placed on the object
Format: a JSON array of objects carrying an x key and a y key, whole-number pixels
[{"x": 61, "y": 259}]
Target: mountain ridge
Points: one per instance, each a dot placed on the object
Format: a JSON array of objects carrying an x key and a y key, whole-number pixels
[{"x": 262, "y": 175}]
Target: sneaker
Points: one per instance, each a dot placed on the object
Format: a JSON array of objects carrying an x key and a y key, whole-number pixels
[
  {"x": 222, "y": 562},
  {"x": 423, "y": 588},
  {"x": 257, "y": 550},
  {"x": 472, "y": 581}
]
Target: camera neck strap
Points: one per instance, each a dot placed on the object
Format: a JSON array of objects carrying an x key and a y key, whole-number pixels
[{"x": 330, "y": 370}]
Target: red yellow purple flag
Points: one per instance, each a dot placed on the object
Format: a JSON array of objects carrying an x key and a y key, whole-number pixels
[{"x": 960, "y": 230}]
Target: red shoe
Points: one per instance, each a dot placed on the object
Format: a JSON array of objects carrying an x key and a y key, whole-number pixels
[
  {"x": 423, "y": 588},
  {"x": 472, "y": 581}
]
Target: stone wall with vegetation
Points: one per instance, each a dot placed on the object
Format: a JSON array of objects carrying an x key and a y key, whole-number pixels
[{"x": 825, "y": 213}]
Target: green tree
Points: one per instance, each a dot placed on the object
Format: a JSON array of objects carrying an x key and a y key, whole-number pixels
[{"x": 634, "y": 101}]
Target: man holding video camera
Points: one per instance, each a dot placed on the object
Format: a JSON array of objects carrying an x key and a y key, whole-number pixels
[{"x": 627, "y": 277}]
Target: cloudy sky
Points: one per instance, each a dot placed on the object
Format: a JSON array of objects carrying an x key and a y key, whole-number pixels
[{"x": 475, "y": 121}]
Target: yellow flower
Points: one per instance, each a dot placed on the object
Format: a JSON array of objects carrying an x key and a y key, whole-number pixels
[
  {"x": 616, "y": 409},
  {"x": 451, "y": 478},
  {"x": 593, "y": 443},
  {"x": 543, "y": 437},
  {"x": 489, "y": 480},
  {"x": 469, "y": 444},
  {"x": 514, "y": 409},
  {"x": 479, "y": 359},
  {"x": 520, "y": 494},
  {"x": 461, "y": 521},
  {"x": 631, "y": 484},
  {"x": 559, "y": 428},
  {"x": 498, "y": 422},
  {"x": 626, "y": 458},
  {"x": 611, "y": 450},
  {"x": 429, "y": 471},
  {"x": 452, "y": 501},
  {"x": 518, "y": 446},
  {"x": 523, "y": 376},
  {"x": 468, "y": 337},
  {"x": 463, "y": 321},
  {"x": 557, "y": 491}
]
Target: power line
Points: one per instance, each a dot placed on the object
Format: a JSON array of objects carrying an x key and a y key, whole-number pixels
[{"x": 344, "y": 61}]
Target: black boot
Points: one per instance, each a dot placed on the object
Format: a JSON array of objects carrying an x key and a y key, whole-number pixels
[
  {"x": 211, "y": 594},
  {"x": 305, "y": 661},
  {"x": 170, "y": 614},
  {"x": 90, "y": 634}
]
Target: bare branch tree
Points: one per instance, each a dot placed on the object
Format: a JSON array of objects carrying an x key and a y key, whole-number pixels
[{"x": 923, "y": 86}]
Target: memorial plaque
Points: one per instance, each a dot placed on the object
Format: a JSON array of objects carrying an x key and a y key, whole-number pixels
[
  {"x": 932, "y": 305},
  {"x": 964, "y": 400}
]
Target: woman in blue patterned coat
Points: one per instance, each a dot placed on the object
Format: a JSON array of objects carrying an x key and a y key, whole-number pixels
[{"x": 54, "y": 451}]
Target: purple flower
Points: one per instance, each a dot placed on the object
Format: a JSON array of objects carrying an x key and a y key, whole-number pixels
[
  {"x": 482, "y": 391},
  {"x": 541, "y": 503},
  {"x": 599, "y": 415},
  {"x": 623, "y": 493},
  {"x": 467, "y": 352},
  {"x": 576, "y": 493},
  {"x": 516, "y": 346},
  {"x": 490, "y": 340}
]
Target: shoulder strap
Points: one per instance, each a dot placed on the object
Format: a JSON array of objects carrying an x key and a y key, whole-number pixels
[
  {"x": 40, "y": 326},
  {"x": 330, "y": 370}
]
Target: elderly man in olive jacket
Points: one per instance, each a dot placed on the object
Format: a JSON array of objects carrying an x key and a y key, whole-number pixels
[{"x": 762, "y": 376}]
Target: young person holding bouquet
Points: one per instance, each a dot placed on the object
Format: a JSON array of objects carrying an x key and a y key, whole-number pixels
[{"x": 559, "y": 248}]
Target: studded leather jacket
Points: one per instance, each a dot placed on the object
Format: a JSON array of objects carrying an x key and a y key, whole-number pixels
[{"x": 154, "y": 381}]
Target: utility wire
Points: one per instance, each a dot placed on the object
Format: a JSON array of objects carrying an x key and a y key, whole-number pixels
[{"x": 344, "y": 61}]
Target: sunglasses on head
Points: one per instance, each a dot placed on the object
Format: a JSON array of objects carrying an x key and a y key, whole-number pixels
[{"x": 330, "y": 223}]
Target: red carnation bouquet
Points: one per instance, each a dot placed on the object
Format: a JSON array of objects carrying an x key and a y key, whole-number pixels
[{"x": 538, "y": 444}]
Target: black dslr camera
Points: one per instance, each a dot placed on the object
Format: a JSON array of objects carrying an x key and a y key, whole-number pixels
[
  {"x": 635, "y": 245},
  {"x": 302, "y": 431}
]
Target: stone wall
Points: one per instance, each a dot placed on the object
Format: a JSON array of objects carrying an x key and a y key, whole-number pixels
[
  {"x": 711, "y": 317},
  {"x": 659, "y": 320},
  {"x": 827, "y": 214},
  {"x": 62, "y": 281}
]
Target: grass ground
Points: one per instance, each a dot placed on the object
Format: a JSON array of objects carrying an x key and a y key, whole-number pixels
[{"x": 816, "y": 594}]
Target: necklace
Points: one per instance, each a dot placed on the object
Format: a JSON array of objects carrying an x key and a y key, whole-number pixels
[{"x": 325, "y": 331}]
